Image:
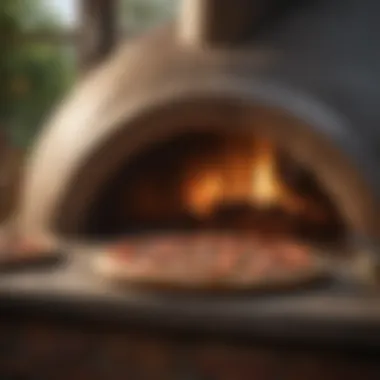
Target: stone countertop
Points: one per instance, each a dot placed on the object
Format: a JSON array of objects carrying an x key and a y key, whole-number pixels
[{"x": 332, "y": 312}]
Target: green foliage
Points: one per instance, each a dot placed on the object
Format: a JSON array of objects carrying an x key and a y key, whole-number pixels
[
  {"x": 33, "y": 77},
  {"x": 139, "y": 15}
]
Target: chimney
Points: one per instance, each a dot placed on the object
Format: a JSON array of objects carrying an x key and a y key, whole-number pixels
[{"x": 217, "y": 22}]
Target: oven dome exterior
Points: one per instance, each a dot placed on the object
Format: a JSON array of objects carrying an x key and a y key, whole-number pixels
[{"x": 303, "y": 63}]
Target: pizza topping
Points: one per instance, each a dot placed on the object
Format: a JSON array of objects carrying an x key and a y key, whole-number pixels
[{"x": 211, "y": 258}]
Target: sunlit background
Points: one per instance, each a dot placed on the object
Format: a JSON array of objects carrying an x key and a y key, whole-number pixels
[
  {"x": 38, "y": 70},
  {"x": 40, "y": 60}
]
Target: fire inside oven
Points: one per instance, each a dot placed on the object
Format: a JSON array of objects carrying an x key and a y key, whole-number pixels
[{"x": 216, "y": 182}]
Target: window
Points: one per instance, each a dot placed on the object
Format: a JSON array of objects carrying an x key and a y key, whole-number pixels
[
  {"x": 39, "y": 14},
  {"x": 41, "y": 74},
  {"x": 38, "y": 66},
  {"x": 136, "y": 16},
  {"x": 38, "y": 59},
  {"x": 38, "y": 62}
]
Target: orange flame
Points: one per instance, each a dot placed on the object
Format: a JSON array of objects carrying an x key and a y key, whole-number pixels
[
  {"x": 265, "y": 187},
  {"x": 249, "y": 176},
  {"x": 204, "y": 191}
]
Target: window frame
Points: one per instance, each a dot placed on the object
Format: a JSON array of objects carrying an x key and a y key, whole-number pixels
[{"x": 94, "y": 37}]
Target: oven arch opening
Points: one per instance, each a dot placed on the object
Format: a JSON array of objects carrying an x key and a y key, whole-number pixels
[
  {"x": 310, "y": 145},
  {"x": 207, "y": 181}
]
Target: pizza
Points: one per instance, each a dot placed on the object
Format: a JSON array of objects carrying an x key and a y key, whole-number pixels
[{"x": 208, "y": 261}]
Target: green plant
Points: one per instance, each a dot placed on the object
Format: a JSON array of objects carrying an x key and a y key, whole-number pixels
[
  {"x": 139, "y": 15},
  {"x": 33, "y": 77}
]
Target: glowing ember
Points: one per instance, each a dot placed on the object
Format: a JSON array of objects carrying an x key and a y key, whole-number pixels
[
  {"x": 205, "y": 191},
  {"x": 222, "y": 182}
]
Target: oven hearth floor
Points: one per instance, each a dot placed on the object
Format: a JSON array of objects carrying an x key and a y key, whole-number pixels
[{"x": 333, "y": 312}]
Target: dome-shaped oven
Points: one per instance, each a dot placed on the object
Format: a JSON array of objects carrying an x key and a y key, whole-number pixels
[{"x": 169, "y": 132}]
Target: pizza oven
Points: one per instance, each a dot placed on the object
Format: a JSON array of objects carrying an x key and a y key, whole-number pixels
[
  {"x": 193, "y": 126},
  {"x": 244, "y": 117}
]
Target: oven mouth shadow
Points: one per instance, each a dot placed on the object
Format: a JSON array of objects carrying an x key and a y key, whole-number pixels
[{"x": 213, "y": 183}]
